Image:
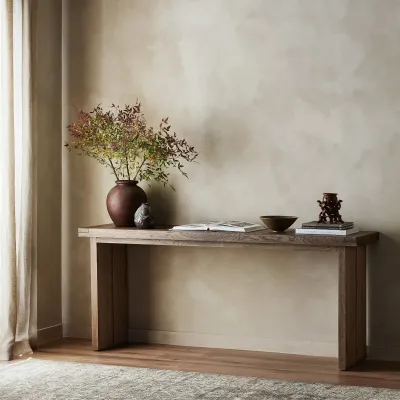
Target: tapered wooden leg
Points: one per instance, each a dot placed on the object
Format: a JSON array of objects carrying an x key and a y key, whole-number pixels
[
  {"x": 352, "y": 306},
  {"x": 109, "y": 294}
]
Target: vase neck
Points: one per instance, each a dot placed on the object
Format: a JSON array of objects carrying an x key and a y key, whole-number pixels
[{"x": 126, "y": 182}]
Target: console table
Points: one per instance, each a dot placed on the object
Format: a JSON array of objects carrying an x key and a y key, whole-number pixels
[{"x": 108, "y": 253}]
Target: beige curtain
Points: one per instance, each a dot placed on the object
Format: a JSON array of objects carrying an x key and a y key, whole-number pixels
[{"x": 17, "y": 319}]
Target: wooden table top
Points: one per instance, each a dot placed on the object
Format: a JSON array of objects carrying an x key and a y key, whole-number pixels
[{"x": 164, "y": 236}]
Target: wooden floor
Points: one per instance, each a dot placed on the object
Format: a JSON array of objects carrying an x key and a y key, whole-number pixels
[{"x": 231, "y": 362}]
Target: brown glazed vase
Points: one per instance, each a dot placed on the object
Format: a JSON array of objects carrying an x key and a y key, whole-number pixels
[{"x": 122, "y": 202}]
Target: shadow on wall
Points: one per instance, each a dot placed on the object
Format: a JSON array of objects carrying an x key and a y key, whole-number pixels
[
  {"x": 140, "y": 261},
  {"x": 383, "y": 297},
  {"x": 163, "y": 202}
]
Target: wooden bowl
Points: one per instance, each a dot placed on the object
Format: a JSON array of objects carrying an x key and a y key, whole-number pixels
[{"x": 278, "y": 223}]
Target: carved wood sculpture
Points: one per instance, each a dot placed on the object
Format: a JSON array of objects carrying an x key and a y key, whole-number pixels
[{"x": 330, "y": 206}]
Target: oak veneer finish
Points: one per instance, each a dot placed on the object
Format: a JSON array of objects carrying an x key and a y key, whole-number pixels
[
  {"x": 163, "y": 236},
  {"x": 109, "y": 276},
  {"x": 109, "y": 286}
]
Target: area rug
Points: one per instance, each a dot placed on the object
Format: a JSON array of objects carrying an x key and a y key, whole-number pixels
[{"x": 52, "y": 380}]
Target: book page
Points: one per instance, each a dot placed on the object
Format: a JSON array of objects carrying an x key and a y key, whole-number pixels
[
  {"x": 191, "y": 227},
  {"x": 234, "y": 224}
]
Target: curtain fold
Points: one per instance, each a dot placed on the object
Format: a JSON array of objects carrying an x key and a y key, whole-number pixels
[{"x": 17, "y": 321}]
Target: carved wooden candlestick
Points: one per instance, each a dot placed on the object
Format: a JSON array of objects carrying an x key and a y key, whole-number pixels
[{"x": 330, "y": 206}]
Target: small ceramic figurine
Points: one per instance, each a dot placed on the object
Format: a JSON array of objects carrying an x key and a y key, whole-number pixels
[{"x": 143, "y": 217}]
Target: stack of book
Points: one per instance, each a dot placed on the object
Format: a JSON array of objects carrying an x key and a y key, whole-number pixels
[{"x": 325, "y": 228}]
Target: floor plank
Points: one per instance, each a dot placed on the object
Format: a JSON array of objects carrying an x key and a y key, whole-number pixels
[{"x": 222, "y": 361}]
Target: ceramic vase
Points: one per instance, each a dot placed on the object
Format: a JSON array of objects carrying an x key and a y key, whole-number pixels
[{"x": 122, "y": 202}]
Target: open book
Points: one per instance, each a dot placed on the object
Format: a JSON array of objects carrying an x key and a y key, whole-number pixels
[{"x": 228, "y": 226}]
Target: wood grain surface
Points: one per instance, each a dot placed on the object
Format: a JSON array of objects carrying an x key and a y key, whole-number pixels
[
  {"x": 164, "y": 236},
  {"x": 109, "y": 285},
  {"x": 102, "y": 305},
  {"x": 232, "y": 362},
  {"x": 347, "y": 307},
  {"x": 361, "y": 305}
]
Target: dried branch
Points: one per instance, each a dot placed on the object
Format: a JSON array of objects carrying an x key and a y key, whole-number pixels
[{"x": 118, "y": 137}]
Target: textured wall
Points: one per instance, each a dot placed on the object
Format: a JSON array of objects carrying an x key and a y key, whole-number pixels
[
  {"x": 284, "y": 100},
  {"x": 46, "y": 41}
]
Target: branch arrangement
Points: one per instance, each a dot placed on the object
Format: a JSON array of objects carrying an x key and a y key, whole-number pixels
[{"x": 121, "y": 140}]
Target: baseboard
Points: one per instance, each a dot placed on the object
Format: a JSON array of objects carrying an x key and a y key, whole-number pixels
[
  {"x": 77, "y": 331},
  {"x": 327, "y": 349},
  {"x": 384, "y": 353},
  {"x": 50, "y": 333}
]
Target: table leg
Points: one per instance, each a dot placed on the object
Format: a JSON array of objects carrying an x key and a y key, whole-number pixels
[
  {"x": 352, "y": 306},
  {"x": 109, "y": 285}
]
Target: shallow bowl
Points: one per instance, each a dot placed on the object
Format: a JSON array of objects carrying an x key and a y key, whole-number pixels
[{"x": 278, "y": 223}]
